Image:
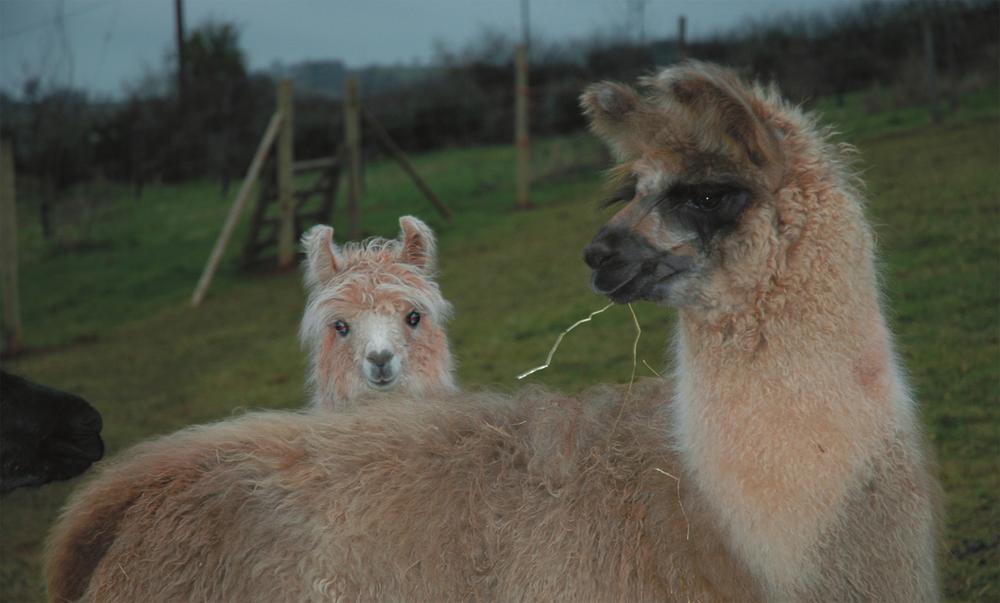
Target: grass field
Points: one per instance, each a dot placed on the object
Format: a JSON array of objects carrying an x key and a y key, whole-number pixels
[{"x": 111, "y": 318}]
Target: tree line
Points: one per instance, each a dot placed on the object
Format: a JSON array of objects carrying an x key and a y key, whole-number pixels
[{"x": 62, "y": 137}]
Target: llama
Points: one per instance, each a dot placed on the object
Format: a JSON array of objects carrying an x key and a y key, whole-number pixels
[
  {"x": 783, "y": 461},
  {"x": 374, "y": 319},
  {"x": 45, "y": 434}
]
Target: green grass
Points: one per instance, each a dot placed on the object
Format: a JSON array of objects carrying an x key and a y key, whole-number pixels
[{"x": 114, "y": 319}]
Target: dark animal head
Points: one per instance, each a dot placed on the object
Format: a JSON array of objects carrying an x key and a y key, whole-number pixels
[
  {"x": 45, "y": 434},
  {"x": 698, "y": 157}
]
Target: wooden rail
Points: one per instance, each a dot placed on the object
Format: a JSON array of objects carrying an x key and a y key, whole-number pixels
[{"x": 314, "y": 165}]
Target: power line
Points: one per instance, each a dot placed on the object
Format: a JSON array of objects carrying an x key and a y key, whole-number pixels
[
  {"x": 67, "y": 52},
  {"x": 53, "y": 20},
  {"x": 107, "y": 39}
]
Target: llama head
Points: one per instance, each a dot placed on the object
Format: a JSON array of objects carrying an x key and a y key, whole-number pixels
[
  {"x": 716, "y": 178},
  {"x": 374, "y": 318}
]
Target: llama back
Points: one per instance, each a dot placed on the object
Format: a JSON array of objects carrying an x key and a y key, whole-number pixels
[
  {"x": 89, "y": 524},
  {"x": 137, "y": 530},
  {"x": 490, "y": 498}
]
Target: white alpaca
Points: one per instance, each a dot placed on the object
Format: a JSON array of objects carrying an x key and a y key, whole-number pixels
[
  {"x": 374, "y": 318},
  {"x": 785, "y": 464}
]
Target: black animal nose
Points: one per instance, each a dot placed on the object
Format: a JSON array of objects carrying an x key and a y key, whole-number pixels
[
  {"x": 597, "y": 253},
  {"x": 380, "y": 359}
]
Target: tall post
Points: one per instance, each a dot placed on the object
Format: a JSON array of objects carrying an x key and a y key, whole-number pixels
[
  {"x": 931, "y": 60},
  {"x": 950, "y": 70},
  {"x": 286, "y": 179},
  {"x": 181, "y": 67},
  {"x": 352, "y": 144},
  {"x": 522, "y": 136},
  {"x": 681, "y": 38},
  {"x": 526, "y": 22},
  {"x": 8, "y": 252}
]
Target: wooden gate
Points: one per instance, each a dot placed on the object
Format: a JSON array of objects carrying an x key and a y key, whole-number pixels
[{"x": 314, "y": 198}]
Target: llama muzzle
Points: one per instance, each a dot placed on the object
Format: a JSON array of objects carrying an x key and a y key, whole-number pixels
[{"x": 626, "y": 267}]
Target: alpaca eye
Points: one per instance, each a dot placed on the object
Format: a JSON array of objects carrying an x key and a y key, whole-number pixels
[
  {"x": 413, "y": 318},
  {"x": 341, "y": 328},
  {"x": 705, "y": 202}
]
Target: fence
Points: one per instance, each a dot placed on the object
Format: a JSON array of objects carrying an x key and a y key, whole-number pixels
[{"x": 294, "y": 214}]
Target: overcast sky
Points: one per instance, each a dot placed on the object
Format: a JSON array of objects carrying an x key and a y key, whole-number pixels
[{"x": 98, "y": 45}]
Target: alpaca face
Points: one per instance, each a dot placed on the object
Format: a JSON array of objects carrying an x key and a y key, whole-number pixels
[
  {"x": 371, "y": 344},
  {"x": 374, "y": 322},
  {"x": 698, "y": 160}
]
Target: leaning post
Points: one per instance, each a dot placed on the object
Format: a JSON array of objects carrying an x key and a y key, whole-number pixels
[
  {"x": 236, "y": 209},
  {"x": 8, "y": 252},
  {"x": 352, "y": 144},
  {"x": 286, "y": 177}
]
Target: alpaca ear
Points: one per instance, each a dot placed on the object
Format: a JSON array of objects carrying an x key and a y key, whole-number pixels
[
  {"x": 419, "y": 246},
  {"x": 323, "y": 259},
  {"x": 612, "y": 109}
]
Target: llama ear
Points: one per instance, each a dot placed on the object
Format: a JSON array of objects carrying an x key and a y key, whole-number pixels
[
  {"x": 717, "y": 96},
  {"x": 419, "y": 246},
  {"x": 611, "y": 108},
  {"x": 323, "y": 259}
]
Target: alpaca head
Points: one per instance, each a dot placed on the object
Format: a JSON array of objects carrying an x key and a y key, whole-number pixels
[
  {"x": 374, "y": 319},
  {"x": 714, "y": 175}
]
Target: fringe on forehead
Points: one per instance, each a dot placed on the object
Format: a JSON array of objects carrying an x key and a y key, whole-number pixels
[
  {"x": 818, "y": 142},
  {"x": 377, "y": 278},
  {"x": 619, "y": 185}
]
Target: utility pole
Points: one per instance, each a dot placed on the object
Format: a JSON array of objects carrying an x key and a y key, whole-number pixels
[
  {"x": 525, "y": 23},
  {"x": 681, "y": 42},
  {"x": 181, "y": 66},
  {"x": 637, "y": 18}
]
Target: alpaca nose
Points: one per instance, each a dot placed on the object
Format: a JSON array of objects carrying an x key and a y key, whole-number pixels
[
  {"x": 380, "y": 359},
  {"x": 597, "y": 253}
]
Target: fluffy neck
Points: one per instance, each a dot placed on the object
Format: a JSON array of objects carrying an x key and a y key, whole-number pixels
[{"x": 786, "y": 391}]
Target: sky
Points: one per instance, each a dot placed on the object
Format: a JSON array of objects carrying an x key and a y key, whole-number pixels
[{"x": 102, "y": 45}]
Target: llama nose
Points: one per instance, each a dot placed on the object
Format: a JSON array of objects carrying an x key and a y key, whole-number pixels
[
  {"x": 597, "y": 253},
  {"x": 380, "y": 359}
]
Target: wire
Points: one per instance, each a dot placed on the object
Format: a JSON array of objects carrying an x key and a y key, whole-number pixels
[
  {"x": 52, "y": 21},
  {"x": 107, "y": 40}
]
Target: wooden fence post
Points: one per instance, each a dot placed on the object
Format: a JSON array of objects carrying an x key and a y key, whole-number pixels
[
  {"x": 286, "y": 178},
  {"x": 8, "y": 252},
  {"x": 522, "y": 136},
  {"x": 931, "y": 65},
  {"x": 352, "y": 146}
]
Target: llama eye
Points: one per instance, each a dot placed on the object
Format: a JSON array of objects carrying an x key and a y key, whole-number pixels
[
  {"x": 413, "y": 318},
  {"x": 704, "y": 202},
  {"x": 341, "y": 328}
]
